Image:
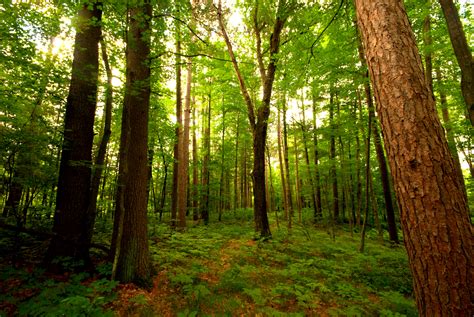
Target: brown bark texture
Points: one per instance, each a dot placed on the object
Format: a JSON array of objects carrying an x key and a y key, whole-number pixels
[
  {"x": 133, "y": 262},
  {"x": 433, "y": 206},
  {"x": 73, "y": 195}
]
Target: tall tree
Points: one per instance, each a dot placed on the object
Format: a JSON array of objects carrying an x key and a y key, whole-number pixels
[
  {"x": 132, "y": 262},
  {"x": 259, "y": 123},
  {"x": 317, "y": 177},
  {"x": 289, "y": 196},
  {"x": 462, "y": 52},
  {"x": 332, "y": 157},
  {"x": 102, "y": 150},
  {"x": 433, "y": 206},
  {"x": 178, "y": 131},
  {"x": 73, "y": 194}
]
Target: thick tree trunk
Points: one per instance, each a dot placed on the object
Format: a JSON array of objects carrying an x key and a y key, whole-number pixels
[
  {"x": 73, "y": 195},
  {"x": 132, "y": 263},
  {"x": 433, "y": 206},
  {"x": 260, "y": 203},
  {"x": 462, "y": 52}
]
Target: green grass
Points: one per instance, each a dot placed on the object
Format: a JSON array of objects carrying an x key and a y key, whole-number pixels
[{"x": 221, "y": 270}]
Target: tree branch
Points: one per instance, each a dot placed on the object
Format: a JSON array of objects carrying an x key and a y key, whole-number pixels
[{"x": 243, "y": 87}]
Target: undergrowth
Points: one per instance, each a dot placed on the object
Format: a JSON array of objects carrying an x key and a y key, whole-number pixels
[{"x": 222, "y": 270}]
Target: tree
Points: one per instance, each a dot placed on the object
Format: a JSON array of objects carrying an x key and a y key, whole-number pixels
[
  {"x": 102, "y": 151},
  {"x": 433, "y": 206},
  {"x": 259, "y": 123},
  {"x": 132, "y": 262},
  {"x": 462, "y": 52},
  {"x": 73, "y": 194}
]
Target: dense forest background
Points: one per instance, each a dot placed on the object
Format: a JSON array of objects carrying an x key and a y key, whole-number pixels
[{"x": 135, "y": 134}]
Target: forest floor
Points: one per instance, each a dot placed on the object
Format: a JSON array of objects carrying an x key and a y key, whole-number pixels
[{"x": 220, "y": 270}]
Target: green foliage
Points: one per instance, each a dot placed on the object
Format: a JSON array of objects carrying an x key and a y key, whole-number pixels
[{"x": 78, "y": 296}]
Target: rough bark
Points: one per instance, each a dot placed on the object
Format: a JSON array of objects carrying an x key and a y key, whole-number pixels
[
  {"x": 73, "y": 194},
  {"x": 132, "y": 259},
  {"x": 433, "y": 206},
  {"x": 462, "y": 52}
]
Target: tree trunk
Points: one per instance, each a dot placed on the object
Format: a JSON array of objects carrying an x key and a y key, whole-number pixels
[
  {"x": 317, "y": 180},
  {"x": 332, "y": 157},
  {"x": 184, "y": 153},
  {"x": 132, "y": 263},
  {"x": 195, "y": 168},
  {"x": 205, "y": 165},
  {"x": 433, "y": 206},
  {"x": 297, "y": 180},
  {"x": 221, "y": 181},
  {"x": 178, "y": 130},
  {"x": 367, "y": 189},
  {"x": 259, "y": 123},
  {"x": 101, "y": 153},
  {"x": 287, "y": 165},
  {"x": 308, "y": 167},
  {"x": 165, "y": 178},
  {"x": 358, "y": 165},
  {"x": 73, "y": 195},
  {"x": 236, "y": 164},
  {"x": 282, "y": 169},
  {"x": 462, "y": 52}
]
